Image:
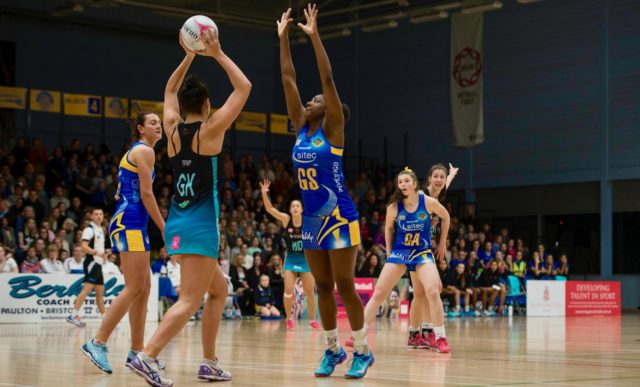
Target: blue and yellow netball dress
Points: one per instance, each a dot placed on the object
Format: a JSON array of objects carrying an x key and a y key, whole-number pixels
[
  {"x": 294, "y": 259},
  {"x": 412, "y": 245},
  {"x": 192, "y": 225},
  {"x": 330, "y": 219},
  {"x": 128, "y": 226}
]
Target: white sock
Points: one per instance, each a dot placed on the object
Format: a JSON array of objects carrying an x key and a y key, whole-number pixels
[
  {"x": 360, "y": 344},
  {"x": 210, "y": 363},
  {"x": 147, "y": 359},
  {"x": 331, "y": 340},
  {"x": 466, "y": 308},
  {"x": 426, "y": 328},
  {"x": 75, "y": 314},
  {"x": 439, "y": 330}
]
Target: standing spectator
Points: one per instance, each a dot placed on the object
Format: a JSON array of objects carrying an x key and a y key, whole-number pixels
[
  {"x": 7, "y": 263},
  {"x": 27, "y": 237},
  {"x": 241, "y": 286},
  {"x": 276, "y": 279},
  {"x": 7, "y": 236},
  {"x": 173, "y": 272},
  {"x": 55, "y": 168}
]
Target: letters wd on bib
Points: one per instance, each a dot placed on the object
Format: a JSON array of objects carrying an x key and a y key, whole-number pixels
[{"x": 34, "y": 298}]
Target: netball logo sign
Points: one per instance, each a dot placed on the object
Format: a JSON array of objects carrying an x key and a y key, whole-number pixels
[
  {"x": 467, "y": 67},
  {"x": 466, "y": 79}
]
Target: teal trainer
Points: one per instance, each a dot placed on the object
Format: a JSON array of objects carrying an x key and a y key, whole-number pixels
[
  {"x": 131, "y": 355},
  {"x": 359, "y": 365},
  {"x": 97, "y": 354},
  {"x": 329, "y": 362}
]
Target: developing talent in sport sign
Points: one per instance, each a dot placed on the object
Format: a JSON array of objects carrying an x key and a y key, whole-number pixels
[{"x": 31, "y": 298}]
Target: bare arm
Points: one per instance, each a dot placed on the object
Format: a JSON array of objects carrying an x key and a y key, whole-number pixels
[
  {"x": 222, "y": 119},
  {"x": 434, "y": 206},
  {"x": 295, "y": 108},
  {"x": 281, "y": 216},
  {"x": 144, "y": 157},
  {"x": 389, "y": 227},
  {"x": 334, "y": 118},
  {"x": 453, "y": 171},
  {"x": 171, "y": 109}
]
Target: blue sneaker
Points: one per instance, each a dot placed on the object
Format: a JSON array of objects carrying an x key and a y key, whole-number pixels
[
  {"x": 97, "y": 354},
  {"x": 329, "y": 362},
  {"x": 131, "y": 355},
  {"x": 149, "y": 372},
  {"x": 359, "y": 365}
]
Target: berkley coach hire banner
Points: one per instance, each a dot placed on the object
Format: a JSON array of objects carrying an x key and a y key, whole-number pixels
[
  {"x": 35, "y": 298},
  {"x": 466, "y": 79}
]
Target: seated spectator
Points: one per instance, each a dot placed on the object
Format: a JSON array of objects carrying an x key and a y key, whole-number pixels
[
  {"x": 372, "y": 267},
  {"x": 74, "y": 264},
  {"x": 563, "y": 267},
  {"x": 7, "y": 236},
  {"x": 519, "y": 267},
  {"x": 31, "y": 263},
  {"x": 464, "y": 286},
  {"x": 549, "y": 267},
  {"x": 508, "y": 261},
  {"x": 162, "y": 260},
  {"x": 535, "y": 266},
  {"x": 486, "y": 254},
  {"x": 7, "y": 263},
  {"x": 173, "y": 272},
  {"x": 28, "y": 235},
  {"x": 110, "y": 267},
  {"x": 51, "y": 262},
  {"x": 491, "y": 288},
  {"x": 255, "y": 269},
  {"x": 264, "y": 300},
  {"x": 449, "y": 289},
  {"x": 255, "y": 246}
]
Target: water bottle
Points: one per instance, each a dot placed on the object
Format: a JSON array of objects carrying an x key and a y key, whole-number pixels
[{"x": 510, "y": 310}]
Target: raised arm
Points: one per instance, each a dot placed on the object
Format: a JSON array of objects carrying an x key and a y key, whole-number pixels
[
  {"x": 434, "y": 206},
  {"x": 171, "y": 109},
  {"x": 295, "y": 108},
  {"x": 389, "y": 227},
  {"x": 222, "y": 119},
  {"x": 144, "y": 157},
  {"x": 335, "y": 117},
  {"x": 453, "y": 171},
  {"x": 281, "y": 216}
]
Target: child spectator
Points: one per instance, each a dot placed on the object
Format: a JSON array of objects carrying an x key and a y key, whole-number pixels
[{"x": 264, "y": 300}]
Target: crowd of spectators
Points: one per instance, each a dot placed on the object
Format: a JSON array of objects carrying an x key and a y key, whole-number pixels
[{"x": 44, "y": 202}]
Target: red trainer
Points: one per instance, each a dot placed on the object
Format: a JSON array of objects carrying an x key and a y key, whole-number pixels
[
  {"x": 348, "y": 342},
  {"x": 430, "y": 341},
  {"x": 442, "y": 346},
  {"x": 416, "y": 341},
  {"x": 290, "y": 324},
  {"x": 315, "y": 326}
]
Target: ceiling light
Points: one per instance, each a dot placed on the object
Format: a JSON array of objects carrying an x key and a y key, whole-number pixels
[
  {"x": 424, "y": 18},
  {"x": 380, "y": 27},
  {"x": 481, "y": 7}
]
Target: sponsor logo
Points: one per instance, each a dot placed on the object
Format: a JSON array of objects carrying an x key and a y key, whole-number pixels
[
  {"x": 28, "y": 286},
  {"x": 364, "y": 286},
  {"x": 307, "y": 236},
  {"x": 175, "y": 243},
  {"x": 318, "y": 142},
  {"x": 186, "y": 163},
  {"x": 337, "y": 176},
  {"x": 305, "y": 157},
  {"x": 135, "y": 184}
]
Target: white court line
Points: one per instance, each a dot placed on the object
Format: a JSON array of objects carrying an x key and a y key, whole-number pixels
[{"x": 16, "y": 385}]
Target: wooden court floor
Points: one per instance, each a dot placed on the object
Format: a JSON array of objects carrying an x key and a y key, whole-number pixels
[{"x": 585, "y": 351}]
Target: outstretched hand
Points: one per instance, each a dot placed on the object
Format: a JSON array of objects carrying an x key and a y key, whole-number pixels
[
  {"x": 453, "y": 170},
  {"x": 264, "y": 185},
  {"x": 284, "y": 23},
  {"x": 311, "y": 14},
  {"x": 211, "y": 44}
]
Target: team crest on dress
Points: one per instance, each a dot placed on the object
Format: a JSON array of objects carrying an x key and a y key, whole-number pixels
[
  {"x": 422, "y": 216},
  {"x": 318, "y": 142}
]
